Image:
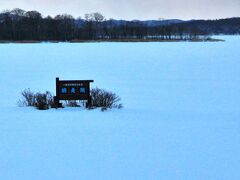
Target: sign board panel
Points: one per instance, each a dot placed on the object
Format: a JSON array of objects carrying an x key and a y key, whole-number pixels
[{"x": 72, "y": 90}]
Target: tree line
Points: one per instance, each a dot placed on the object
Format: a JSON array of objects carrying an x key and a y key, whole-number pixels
[{"x": 20, "y": 25}]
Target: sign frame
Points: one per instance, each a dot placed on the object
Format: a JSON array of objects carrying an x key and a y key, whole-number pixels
[{"x": 72, "y": 90}]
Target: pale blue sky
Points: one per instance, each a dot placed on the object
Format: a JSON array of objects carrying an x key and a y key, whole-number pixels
[{"x": 132, "y": 9}]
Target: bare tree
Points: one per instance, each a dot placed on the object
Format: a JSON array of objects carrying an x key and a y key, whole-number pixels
[
  {"x": 97, "y": 17},
  {"x": 18, "y": 12},
  {"x": 64, "y": 17},
  {"x": 33, "y": 15}
]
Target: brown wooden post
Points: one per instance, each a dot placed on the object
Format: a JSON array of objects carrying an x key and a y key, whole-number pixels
[
  {"x": 89, "y": 103},
  {"x": 56, "y": 100}
]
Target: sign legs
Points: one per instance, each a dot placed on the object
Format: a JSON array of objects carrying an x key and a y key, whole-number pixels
[
  {"x": 57, "y": 102},
  {"x": 89, "y": 102}
]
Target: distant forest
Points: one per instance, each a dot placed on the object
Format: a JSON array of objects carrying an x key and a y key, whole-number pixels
[{"x": 20, "y": 25}]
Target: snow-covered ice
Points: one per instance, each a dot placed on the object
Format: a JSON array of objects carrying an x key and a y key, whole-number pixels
[{"x": 181, "y": 115}]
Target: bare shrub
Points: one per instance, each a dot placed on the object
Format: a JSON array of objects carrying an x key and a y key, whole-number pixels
[
  {"x": 41, "y": 101},
  {"x": 104, "y": 99},
  {"x": 28, "y": 98},
  {"x": 50, "y": 99}
]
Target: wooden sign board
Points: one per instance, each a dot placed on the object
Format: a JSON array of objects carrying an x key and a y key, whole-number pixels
[{"x": 72, "y": 90}]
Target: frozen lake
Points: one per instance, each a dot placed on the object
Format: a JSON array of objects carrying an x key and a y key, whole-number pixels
[{"x": 181, "y": 115}]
